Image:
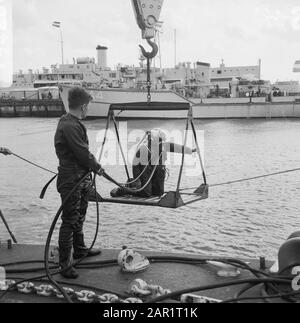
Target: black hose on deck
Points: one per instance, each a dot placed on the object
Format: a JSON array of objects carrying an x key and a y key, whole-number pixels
[
  {"x": 193, "y": 261},
  {"x": 218, "y": 286}
]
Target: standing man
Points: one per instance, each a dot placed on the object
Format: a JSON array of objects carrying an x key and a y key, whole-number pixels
[{"x": 75, "y": 161}]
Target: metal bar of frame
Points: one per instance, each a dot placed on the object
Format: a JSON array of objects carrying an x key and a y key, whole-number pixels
[
  {"x": 130, "y": 202},
  {"x": 199, "y": 152},
  {"x": 105, "y": 136},
  {"x": 120, "y": 146},
  {"x": 154, "y": 106},
  {"x": 183, "y": 154}
]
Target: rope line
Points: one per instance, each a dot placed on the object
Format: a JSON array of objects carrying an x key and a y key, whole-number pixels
[
  {"x": 247, "y": 179},
  {"x": 33, "y": 164},
  {"x": 257, "y": 177}
]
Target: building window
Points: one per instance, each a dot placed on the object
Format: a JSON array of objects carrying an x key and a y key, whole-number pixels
[{"x": 219, "y": 72}]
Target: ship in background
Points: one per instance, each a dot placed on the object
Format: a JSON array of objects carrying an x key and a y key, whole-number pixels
[{"x": 221, "y": 92}]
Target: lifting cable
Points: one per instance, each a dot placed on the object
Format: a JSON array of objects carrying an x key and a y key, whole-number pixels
[{"x": 247, "y": 179}]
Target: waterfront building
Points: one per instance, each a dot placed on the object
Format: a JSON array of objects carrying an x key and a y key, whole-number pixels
[
  {"x": 198, "y": 80},
  {"x": 223, "y": 75},
  {"x": 289, "y": 88}
]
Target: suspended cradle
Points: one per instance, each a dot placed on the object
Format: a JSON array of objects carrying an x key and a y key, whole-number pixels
[{"x": 172, "y": 199}]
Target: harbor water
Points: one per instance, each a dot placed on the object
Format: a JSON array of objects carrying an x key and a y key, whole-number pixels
[{"x": 246, "y": 220}]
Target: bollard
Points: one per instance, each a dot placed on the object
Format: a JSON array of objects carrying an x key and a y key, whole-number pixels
[{"x": 9, "y": 244}]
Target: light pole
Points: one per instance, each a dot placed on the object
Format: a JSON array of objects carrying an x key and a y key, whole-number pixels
[{"x": 57, "y": 24}]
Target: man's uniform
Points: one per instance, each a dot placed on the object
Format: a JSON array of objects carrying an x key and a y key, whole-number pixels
[{"x": 75, "y": 161}]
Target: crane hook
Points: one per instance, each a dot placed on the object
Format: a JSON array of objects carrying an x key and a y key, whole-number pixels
[{"x": 154, "y": 52}]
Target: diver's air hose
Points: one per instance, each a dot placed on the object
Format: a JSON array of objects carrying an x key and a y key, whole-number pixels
[{"x": 128, "y": 190}]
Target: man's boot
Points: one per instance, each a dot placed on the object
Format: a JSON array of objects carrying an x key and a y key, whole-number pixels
[
  {"x": 80, "y": 249},
  {"x": 65, "y": 263}
]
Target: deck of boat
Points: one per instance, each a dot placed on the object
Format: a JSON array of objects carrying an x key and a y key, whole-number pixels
[{"x": 173, "y": 276}]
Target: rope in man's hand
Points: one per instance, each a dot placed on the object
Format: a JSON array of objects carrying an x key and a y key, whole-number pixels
[{"x": 7, "y": 152}]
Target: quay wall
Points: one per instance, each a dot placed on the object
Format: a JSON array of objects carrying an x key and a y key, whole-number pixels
[
  {"x": 247, "y": 110},
  {"x": 31, "y": 108}
]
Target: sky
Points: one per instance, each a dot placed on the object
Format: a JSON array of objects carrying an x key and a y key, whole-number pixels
[{"x": 238, "y": 31}]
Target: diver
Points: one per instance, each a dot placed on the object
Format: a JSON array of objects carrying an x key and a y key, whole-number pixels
[
  {"x": 150, "y": 160},
  {"x": 75, "y": 161}
]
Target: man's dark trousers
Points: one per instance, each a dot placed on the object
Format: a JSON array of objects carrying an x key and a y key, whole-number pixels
[{"x": 74, "y": 214}]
